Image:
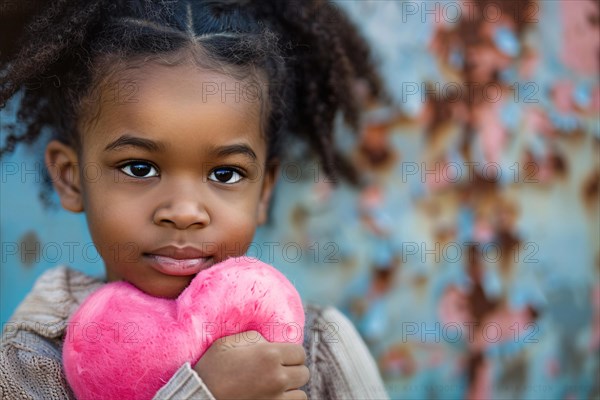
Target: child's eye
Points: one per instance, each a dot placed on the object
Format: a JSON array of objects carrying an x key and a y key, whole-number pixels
[
  {"x": 225, "y": 175},
  {"x": 139, "y": 169}
]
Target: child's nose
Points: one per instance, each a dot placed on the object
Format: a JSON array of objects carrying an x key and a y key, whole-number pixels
[{"x": 182, "y": 214}]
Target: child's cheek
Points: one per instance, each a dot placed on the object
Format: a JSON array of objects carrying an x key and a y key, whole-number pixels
[
  {"x": 235, "y": 236},
  {"x": 116, "y": 223}
]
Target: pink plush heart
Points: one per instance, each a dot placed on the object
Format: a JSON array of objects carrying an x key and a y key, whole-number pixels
[{"x": 124, "y": 344}]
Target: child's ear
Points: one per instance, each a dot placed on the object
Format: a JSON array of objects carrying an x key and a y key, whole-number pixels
[
  {"x": 63, "y": 168},
  {"x": 271, "y": 172}
]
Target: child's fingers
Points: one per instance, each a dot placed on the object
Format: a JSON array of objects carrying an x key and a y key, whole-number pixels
[
  {"x": 292, "y": 354},
  {"x": 241, "y": 339},
  {"x": 294, "y": 395},
  {"x": 296, "y": 377}
]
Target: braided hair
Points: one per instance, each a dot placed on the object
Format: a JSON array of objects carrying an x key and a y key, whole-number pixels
[{"x": 309, "y": 52}]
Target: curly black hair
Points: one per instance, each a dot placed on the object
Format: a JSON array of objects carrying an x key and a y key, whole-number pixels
[{"x": 310, "y": 52}]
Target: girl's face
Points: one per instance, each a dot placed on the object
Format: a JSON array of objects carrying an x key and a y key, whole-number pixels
[{"x": 172, "y": 177}]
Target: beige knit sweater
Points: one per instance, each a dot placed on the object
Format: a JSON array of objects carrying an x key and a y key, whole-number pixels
[{"x": 30, "y": 357}]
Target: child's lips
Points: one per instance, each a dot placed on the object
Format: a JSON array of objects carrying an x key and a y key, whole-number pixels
[
  {"x": 179, "y": 267},
  {"x": 181, "y": 261}
]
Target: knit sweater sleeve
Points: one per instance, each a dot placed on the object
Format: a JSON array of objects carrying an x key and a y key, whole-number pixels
[
  {"x": 185, "y": 384},
  {"x": 343, "y": 367},
  {"x": 31, "y": 369}
]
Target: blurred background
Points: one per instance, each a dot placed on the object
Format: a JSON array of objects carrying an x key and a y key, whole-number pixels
[{"x": 468, "y": 257}]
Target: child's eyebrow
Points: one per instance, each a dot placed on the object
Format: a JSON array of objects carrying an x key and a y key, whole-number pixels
[
  {"x": 238, "y": 148},
  {"x": 128, "y": 140},
  {"x": 154, "y": 146}
]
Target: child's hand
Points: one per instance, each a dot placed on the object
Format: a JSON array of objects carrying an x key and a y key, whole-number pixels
[{"x": 246, "y": 366}]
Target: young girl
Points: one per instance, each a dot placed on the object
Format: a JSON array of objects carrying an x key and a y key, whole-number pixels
[{"x": 180, "y": 108}]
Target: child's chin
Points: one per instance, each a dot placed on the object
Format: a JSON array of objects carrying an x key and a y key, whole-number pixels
[{"x": 170, "y": 288}]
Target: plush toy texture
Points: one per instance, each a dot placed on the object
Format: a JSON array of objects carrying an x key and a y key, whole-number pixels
[{"x": 125, "y": 344}]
